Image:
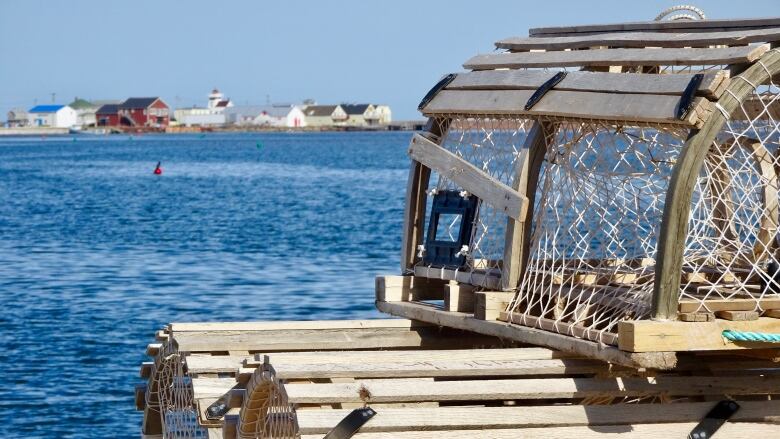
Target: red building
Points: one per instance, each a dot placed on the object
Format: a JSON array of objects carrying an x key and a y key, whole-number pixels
[
  {"x": 107, "y": 115},
  {"x": 144, "y": 112}
]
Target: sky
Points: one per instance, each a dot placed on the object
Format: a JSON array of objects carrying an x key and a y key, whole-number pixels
[{"x": 282, "y": 51}]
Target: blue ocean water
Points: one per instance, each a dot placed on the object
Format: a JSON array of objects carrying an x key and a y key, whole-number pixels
[{"x": 97, "y": 253}]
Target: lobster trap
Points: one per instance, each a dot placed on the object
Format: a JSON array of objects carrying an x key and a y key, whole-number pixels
[{"x": 625, "y": 182}]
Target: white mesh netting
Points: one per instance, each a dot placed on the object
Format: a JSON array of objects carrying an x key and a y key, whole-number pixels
[{"x": 492, "y": 145}]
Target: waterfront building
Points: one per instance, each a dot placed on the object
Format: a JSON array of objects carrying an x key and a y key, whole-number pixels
[
  {"x": 383, "y": 114},
  {"x": 359, "y": 115},
  {"x": 85, "y": 112},
  {"x": 55, "y": 116},
  {"x": 212, "y": 115},
  {"x": 278, "y": 115},
  {"x": 324, "y": 115},
  {"x": 107, "y": 115},
  {"x": 16, "y": 118},
  {"x": 144, "y": 112}
]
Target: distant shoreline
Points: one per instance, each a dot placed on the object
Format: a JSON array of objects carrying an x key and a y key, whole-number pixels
[{"x": 49, "y": 131}]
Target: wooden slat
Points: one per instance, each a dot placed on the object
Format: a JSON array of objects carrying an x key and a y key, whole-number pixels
[
  {"x": 660, "y": 26},
  {"x": 340, "y": 357},
  {"x": 742, "y": 430},
  {"x": 468, "y": 177},
  {"x": 487, "y": 280},
  {"x": 325, "y": 339},
  {"x": 618, "y": 57},
  {"x": 654, "y": 360},
  {"x": 633, "y": 83},
  {"x": 201, "y": 363},
  {"x": 643, "y": 39},
  {"x": 402, "y": 367},
  {"x": 291, "y": 325},
  {"x": 530, "y": 388},
  {"x": 649, "y": 335},
  {"x": 406, "y": 288},
  {"x": 477, "y": 418},
  {"x": 585, "y": 105}
]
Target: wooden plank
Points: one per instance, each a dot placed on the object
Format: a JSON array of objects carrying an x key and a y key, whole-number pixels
[
  {"x": 477, "y": 418},
  {"x": 459, "y": 297},
  {"x": 416, "y": 199},
  {"x": 219, "y": 364},
  {"x": 560, "y": 327},
  {"x": 587, "y": 105},
  {"x": 708, "y": 25},
  {"x": 632, "y": 83},
  {"x": 488, "y": 305},
  {"x": 618, "y": 57},
  {"x": 742, "y": 430},
  {"x": 728, "y": 304},
  {"x": 291, "y": 325},
  {"x": 325, "y": 339},
  {"x": 644, "y": 39},
  {"x": 401, "y": 367},
  {"x": 146, "y": 369},
  {"x": 339, "y": 357},
  {"x": 655, "y": 360},
  {"x": 468, "y": 177},
  {"x": 406, "y": 288},
  {"x": 153, "y": 348},
  {"x": 478, "y": 278},
  {"x": 649, "y": 335},
  {"x": 674, "y": 224},
  {"x": 378, "y": 391},
  {"x": 773, "y": 313},
  {"x": 737, "y": 315}
]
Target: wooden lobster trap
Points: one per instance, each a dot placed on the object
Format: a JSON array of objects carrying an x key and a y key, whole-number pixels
[{"x": 610, "y": 190}]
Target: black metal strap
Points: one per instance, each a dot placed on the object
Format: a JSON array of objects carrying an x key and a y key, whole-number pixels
[
  {"x": 445, "y": 81},
  {"x": 218, "y": 408},
  {"x": 541, "y": 91},
  {"x": 714, "y": 419},
  {"x": 351, "y": 423},
  {"x": 686, "y": 100}
]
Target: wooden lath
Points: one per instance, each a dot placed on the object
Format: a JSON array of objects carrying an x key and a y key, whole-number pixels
[
  {"x": 711, "y": 87},
  {"x": 619, "y": 57},
  {"x": 643, "y": 39},
  {"x": 659, "y": 26},
  {"x": 660, "y": 109}
]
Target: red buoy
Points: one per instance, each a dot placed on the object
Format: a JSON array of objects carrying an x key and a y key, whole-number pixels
[{"x": 158, "y": 169}]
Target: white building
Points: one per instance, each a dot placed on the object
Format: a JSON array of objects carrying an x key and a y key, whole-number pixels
[
  {"x": 57, "y": 116},
  {"x": 212, "y": 115},
  {"x": 290, "y": 116}
]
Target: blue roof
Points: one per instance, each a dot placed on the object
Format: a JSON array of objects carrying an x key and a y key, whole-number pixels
[{"x": 45, "y": 108}]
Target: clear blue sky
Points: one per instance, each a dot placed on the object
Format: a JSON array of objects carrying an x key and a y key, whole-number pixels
[{"x": 332, "y": 51}]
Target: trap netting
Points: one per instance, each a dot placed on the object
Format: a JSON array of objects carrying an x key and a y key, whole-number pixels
[
  {"x": 170, "y": 396},
  {"x": 731, "y": 253},
  {"x": 494, "y": 145},
  {"x": 266, "y": 411},
  {"x": 599, "y": 204}
]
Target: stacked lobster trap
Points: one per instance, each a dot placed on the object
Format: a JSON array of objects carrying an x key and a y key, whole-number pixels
[{"x": 613, "y": 181}]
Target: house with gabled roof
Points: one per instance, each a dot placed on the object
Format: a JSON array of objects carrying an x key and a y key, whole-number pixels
[
  {"x": 360, "y": 115},
  {"x": 144, "y": 112},
  {"x": 323, "y": 115},
  {"x": 57, "y": 116}
]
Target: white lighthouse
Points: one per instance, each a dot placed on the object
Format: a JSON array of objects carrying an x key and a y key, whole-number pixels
[{"x": 215, "y": 98}]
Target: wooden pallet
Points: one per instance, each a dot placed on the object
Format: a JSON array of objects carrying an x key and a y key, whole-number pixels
[{"x": 460, "y": 392}]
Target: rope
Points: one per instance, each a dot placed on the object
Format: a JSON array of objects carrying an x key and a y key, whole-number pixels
[{"x": 766, "y": 337}]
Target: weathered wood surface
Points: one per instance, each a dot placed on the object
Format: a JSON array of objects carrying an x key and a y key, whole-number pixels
[
  {"x": 660, "y": 26},
  {"x": 586, "y": 105},
  {"x": 649, "y": 335},
  {"x": 712, "y": 85},
  {"x": 685, "y": 174},
  {"x": 417, "y": 311},
  {"x": 573, "y": 329},
  {"x": 618, "y": 57},
  {"x": 742, "y": 430},
  {"x": 401, "y": 367},
  {"x": 469, "y": 177},
  {"x": 488, "y": 280},
  {"x": 406, "y": 288},
  {"x": 488, "y": 305},
  {"x": 377, "y": 391},
  {"x": 477, "y": 418},
  {"x": 713, "y": 305},
  {"x": 369, "y": 357},
  {"x": 644, "y": 39},
  {"x": 177, "y": 328}
]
